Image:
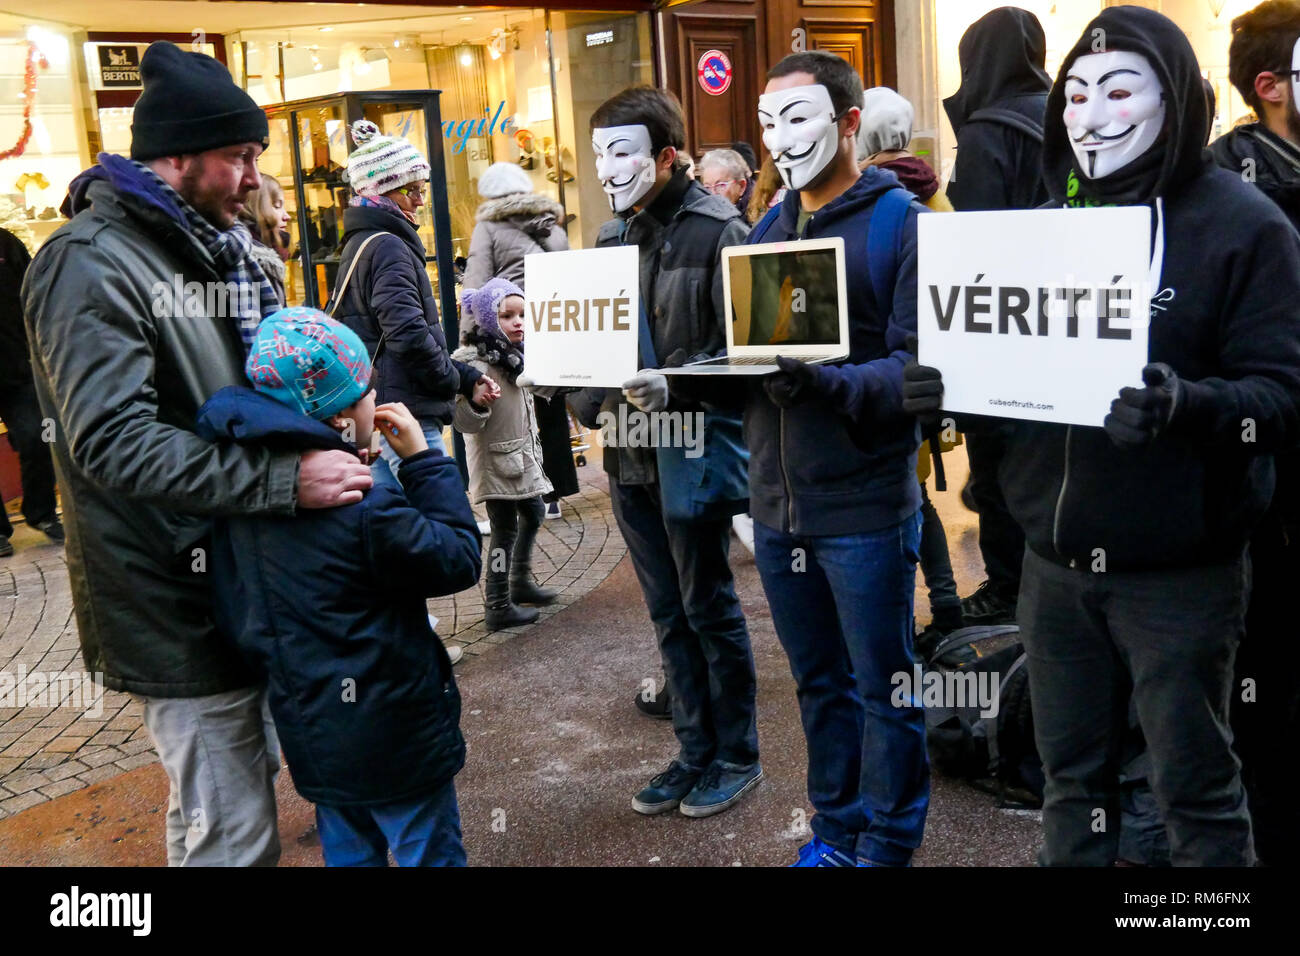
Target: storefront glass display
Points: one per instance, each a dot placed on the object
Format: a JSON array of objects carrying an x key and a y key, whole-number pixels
[
  {"x": 516, "y": 86},
  {"x": 34, "y": 180},
  {"x": 308, "y": 153}
]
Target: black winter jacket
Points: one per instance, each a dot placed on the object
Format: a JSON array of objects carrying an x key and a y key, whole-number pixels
[
  {"x": 15, "y": 367},
  {"x": 1226, "y": 319},
  {"x": 680, "y": 236},
  {"x": 390, "y": 297},
  {"x": 123, "y": 385},
  {"x": 1272, "y": 164},
  {"x": 328, "y": 606}
]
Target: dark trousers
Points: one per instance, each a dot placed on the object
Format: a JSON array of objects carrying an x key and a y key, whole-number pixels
[
  {"x": 1266, "y": 722},
  {"x": 22, "y": 416},
  {"x": 514, "y": 530},
  {"x": 557, "y": 454},
  {"x": 1002, "y": 543},
  {"x": 703, "y": 641},
  {"x": 1166, "y": 640},
  {"x": 936, "y": 562}
]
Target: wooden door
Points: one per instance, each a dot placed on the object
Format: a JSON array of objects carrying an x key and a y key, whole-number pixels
[{"x": 717, "y": 119}]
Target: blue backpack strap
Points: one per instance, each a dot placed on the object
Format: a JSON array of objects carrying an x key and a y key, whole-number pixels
[
  {"x": 884, "y": 236},
  {"x": 763, "y": 225}
]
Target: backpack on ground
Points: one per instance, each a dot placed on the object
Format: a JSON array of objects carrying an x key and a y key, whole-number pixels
[{"x": 994, "y": 753}]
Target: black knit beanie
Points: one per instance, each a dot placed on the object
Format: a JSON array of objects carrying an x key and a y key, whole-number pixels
[{"x": 189, "y": 105}]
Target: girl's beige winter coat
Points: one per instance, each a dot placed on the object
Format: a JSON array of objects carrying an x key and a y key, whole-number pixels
[{"x": 503, "y": 452}]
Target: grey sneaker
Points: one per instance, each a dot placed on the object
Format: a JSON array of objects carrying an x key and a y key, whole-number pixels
[
  {"x": 665, "y": 790},
  {"x": 719, "y": 787},
  {"x": 6, "y": 548},
  {"x": 52, "y": 529}
]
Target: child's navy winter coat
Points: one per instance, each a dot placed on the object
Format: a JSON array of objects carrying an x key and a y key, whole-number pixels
[{"x": 329, "y": 605}]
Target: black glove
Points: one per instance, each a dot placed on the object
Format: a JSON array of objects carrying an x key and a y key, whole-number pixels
[
  {"x": 795, "y": 383},
  {"x": 1141, "y": 414},
  {"x": 676, "y": 359},
  {"x": 922, "y": 391}
]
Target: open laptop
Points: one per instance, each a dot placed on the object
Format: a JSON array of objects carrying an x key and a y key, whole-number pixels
[{"x": 783, "y": 298}]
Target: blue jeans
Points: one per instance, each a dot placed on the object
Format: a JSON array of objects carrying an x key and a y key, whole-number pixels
[
  {"x": 703, "y": 641},
  {"x": 420, "y": 832},
  {"x": 842, "y": 606},
  {"x": 432, "y": 434}
]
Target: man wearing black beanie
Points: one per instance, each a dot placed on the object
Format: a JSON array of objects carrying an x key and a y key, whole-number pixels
[{"x": 137, "y": 311}]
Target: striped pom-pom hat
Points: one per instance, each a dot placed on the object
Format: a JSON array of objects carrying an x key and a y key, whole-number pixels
[{"x": 381, "y": 163}]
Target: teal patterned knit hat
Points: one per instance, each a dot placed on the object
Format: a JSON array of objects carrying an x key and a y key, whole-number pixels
[{"x": 381, "y": 163}]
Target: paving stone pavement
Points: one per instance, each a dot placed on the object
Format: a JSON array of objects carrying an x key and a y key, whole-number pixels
[{"x": 71, "y": 735}]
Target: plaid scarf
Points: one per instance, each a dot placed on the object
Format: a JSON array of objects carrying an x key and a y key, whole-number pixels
[{"x": 230, "y": 249}]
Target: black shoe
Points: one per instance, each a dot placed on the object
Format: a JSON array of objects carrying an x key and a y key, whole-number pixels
[
  {"x": 7, "y": 549},
  {"x": 508, "y": 615},
  {"x": 660, "y": 707},
  {"x": 524, "y": 590},
  {"x": 52, "y": 529},
  {"x": 665, "y": 790},
  {"x": 985, "y": 607},
  {"x": 498, "y": 610}
]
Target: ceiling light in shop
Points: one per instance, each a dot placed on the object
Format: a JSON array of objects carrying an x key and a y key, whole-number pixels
[
  {"x": 465, "y": 58},
  {"x": 326, "y": 29}
]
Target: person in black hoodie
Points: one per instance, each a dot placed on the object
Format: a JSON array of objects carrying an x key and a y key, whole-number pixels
[
  {"x": 1170, "y": 489},
  {"x": 997, "y": 115},
  {"x": 1265, "y": 42}
]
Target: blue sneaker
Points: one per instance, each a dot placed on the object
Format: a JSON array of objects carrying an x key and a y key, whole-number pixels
[
  {"x": 817, "y": 852},
  {"x": 719, "y": 787},
  {"x": 665, "y": 790}
]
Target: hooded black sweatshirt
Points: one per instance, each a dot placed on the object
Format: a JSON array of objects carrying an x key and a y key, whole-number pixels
[
  {"x": 1226, "y": 319},
  {"x": 998, "y": 166}
]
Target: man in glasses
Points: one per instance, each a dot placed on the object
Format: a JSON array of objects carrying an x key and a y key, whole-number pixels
[
  {"x": 1260, "y": 65},
  {"x": 1263, "y": 66}
]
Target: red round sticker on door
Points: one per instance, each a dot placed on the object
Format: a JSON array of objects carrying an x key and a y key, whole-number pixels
[{"x": 714, "y": 71}]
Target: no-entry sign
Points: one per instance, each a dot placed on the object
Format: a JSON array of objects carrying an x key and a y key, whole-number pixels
[{"x": 714, "y": 72}]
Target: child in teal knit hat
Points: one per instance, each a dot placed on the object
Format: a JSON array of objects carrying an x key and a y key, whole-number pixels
[{"x": 327, "y": 606}]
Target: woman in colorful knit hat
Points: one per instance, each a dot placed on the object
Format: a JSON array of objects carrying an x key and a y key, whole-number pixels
[
  {"x": 504, "y": 453},
  {"x": 388, "y": 298}
]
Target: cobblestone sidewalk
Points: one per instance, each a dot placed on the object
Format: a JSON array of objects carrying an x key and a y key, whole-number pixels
[{"x": 47, "y": 751}]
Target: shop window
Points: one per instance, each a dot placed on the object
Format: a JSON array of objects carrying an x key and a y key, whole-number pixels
[{"x": 34, "y": 182}]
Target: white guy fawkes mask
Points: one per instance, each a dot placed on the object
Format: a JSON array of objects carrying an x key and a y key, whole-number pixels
[
  {"x": 800, "y": 132},
  {"x": 625, "y": 163},
  {"x": 1295, "y": 76},
  {"x": 1114, "y": 110}
]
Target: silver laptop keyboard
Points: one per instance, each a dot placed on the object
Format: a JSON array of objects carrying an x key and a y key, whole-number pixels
[{"x": 741, "y": 360}]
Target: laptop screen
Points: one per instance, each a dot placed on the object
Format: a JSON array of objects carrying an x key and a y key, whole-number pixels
[{"x": 785, "y": 298}]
